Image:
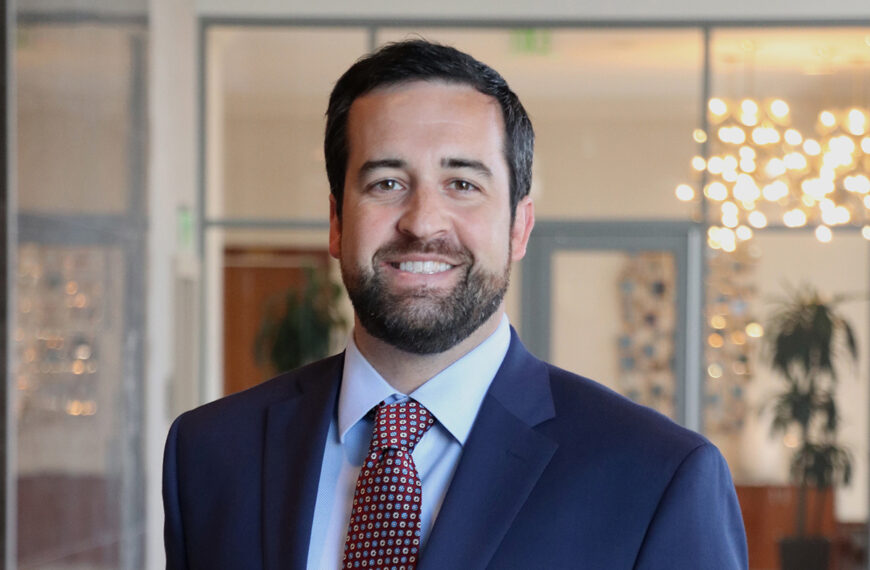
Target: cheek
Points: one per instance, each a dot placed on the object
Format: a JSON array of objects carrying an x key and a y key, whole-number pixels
[
  {"x": 489, "y": 243},
  {"x": 362, "y": 237}
]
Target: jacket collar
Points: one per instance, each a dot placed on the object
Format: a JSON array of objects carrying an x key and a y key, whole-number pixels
[
  {"x": 295, "y": 435},
  {"x": 501, "y": 463}
]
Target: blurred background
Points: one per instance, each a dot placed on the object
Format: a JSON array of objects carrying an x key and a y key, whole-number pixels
[{"x": 700, "y": 171}]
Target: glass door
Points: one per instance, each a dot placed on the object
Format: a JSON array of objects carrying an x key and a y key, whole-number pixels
[{"x": 619, "y": 303}]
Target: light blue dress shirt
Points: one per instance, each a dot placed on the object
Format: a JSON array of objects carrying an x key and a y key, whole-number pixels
[{"x": 453, "y": 396}]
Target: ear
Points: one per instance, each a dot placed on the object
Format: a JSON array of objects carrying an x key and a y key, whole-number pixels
[
  {"x": 524, "y": 221},
  {"x": 334, "y": 229}
]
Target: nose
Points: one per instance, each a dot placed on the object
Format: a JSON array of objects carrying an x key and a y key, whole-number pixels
[{"x": 425, "y": 215}]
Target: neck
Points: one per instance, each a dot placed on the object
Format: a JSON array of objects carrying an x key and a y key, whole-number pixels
[{"x": 406, "y": 371}]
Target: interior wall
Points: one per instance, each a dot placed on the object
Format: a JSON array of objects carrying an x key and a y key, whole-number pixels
[
  {"x": 170, "y": 383},
  {"x": 634, "y": 10},
  {"x": 791, "y": 260},
  {"x": 179, "y": 34}
]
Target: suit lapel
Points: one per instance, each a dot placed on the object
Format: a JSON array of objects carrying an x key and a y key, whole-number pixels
[
  {"x": 501, "y": 462},
  {"x": 295, "y": 434}
]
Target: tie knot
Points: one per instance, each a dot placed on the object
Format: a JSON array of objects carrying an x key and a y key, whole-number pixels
[{"x": 400, "y": 425}]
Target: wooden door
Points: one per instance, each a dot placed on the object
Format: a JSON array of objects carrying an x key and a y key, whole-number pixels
[{"x": 254, "y": 280}]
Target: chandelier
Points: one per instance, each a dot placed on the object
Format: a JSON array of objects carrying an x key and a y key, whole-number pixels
[{"x": 761, "y": 170}]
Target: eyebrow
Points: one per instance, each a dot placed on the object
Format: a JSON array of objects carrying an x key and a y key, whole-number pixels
[
  {"x": 450, "y": 162},
  {"x": 475, "y": 165},
  {"x": 370, "y": 165}
]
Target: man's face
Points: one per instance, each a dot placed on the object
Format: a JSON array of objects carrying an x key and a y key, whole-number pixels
[{"x": 425, "y": 239}]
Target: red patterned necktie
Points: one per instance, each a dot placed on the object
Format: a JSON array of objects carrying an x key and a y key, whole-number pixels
[{"x": 384, "y": 529}]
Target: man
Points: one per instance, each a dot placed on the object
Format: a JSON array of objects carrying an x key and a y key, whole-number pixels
[{"x": 436, "y": 441}]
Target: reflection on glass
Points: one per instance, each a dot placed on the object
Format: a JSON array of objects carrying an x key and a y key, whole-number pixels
[
  {"x": 614, "y": 320},
  {"x": 793, "y": 104},
  {"x": 268, "y": 105},
  {"x": 610, "y": 110},
  {"x": 75, "y": 118},
  {"x": 78, "y": 323}
]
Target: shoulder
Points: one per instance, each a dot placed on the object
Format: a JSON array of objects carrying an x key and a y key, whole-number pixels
[
  {"x": 589, "y": 414},
  {"x": 245, "y": 410}
]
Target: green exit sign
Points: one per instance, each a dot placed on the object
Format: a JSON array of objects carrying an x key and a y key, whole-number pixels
[{"x": 531, "y": 41}]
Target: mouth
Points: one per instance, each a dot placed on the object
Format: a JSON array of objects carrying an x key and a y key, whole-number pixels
[{"x": 422, "y": 267}]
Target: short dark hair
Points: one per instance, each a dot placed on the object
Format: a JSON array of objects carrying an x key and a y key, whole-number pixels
[{"x": 420, "y": 60}]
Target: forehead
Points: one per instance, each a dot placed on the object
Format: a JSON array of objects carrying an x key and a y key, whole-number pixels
[{"x": 426, "y": 110}]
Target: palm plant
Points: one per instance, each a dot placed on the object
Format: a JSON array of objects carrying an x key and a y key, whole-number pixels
[
  {"x": 298, "y": 330},
  {"x": 809, "y": 337}
]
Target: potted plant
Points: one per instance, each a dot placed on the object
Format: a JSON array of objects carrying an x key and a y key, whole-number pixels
[
  {"x": 298, "y": 330},
  {"x": 808, "y": 340}
]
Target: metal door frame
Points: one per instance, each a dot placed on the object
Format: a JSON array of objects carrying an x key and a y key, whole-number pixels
[{"x": 684, "y": 239}]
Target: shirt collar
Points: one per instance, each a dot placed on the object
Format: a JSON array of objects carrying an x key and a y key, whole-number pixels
[{"x": 453, "y": 395}]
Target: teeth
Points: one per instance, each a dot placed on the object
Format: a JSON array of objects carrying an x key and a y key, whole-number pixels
[{"x": 425, "y": 267}]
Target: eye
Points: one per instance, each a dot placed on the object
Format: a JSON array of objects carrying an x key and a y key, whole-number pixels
[
  {"x": 386, "y": 185},
  {"x": 463, "y": 186}
]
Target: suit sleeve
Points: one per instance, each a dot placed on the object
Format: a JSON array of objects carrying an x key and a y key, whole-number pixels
[
  {"x": 173, "y": 533},
  {"x": 697, "y": 523}
]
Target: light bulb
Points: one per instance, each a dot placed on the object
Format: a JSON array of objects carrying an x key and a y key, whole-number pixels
[
  {"x": 745, "y": 189},
  {"x": 794, "y": 218},
  {"x": 817, "y": 187},
  {"x": 775, "y": 191},
  {"x": 858, "y": 183},
  {"x": 718, "y": 107},
  {"x": 731, "y": 135},
  {"x": 827, "y": 118},
  {"x": 824, "y": 234},
  {"x": 775, "y": 167},
  {"x": 793, "y": 137},
  {"x": 795, "y": 161},
  {"x": 757, "y": 219},
  {"x": 765, "y": 135},
  {"x": 749, "y": 107},
  {"x": 779, "y": 109},
  {"x": 716, "y": 191},
  {"x": 715, "y": 165},
  {"x": 842, "y": 144},
  {"x": 857, "y": 122},
  {"x": 685, "y": 192},
  {"x": 727, "y": 239},
  {"x": 699, "y": 135},
  {"x": 754, "y": 330},
  {"x": 749, "y": 120},
  {"x": 730, "y": 221},
  {"x": 812, "y": 147}
]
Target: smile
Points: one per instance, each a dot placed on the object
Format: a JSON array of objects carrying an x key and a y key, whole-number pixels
[{"x": 424, "y": 267}]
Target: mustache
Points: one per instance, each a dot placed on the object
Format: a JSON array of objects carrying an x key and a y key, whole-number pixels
[{"x": 440, "y": 246}]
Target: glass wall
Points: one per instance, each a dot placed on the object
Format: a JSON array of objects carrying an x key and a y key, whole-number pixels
[
  {"x": 79, "y": 320},
  {"x": 622, "y": 119},
  {"x": 611, "y": 109},
  {"x": 783, "y": 101}
]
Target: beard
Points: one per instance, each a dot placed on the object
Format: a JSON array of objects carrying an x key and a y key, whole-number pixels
[{"x": 426, "y": 320}]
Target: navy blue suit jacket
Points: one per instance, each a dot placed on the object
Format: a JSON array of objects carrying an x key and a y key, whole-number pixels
[{"x": 557, "y": 472}]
